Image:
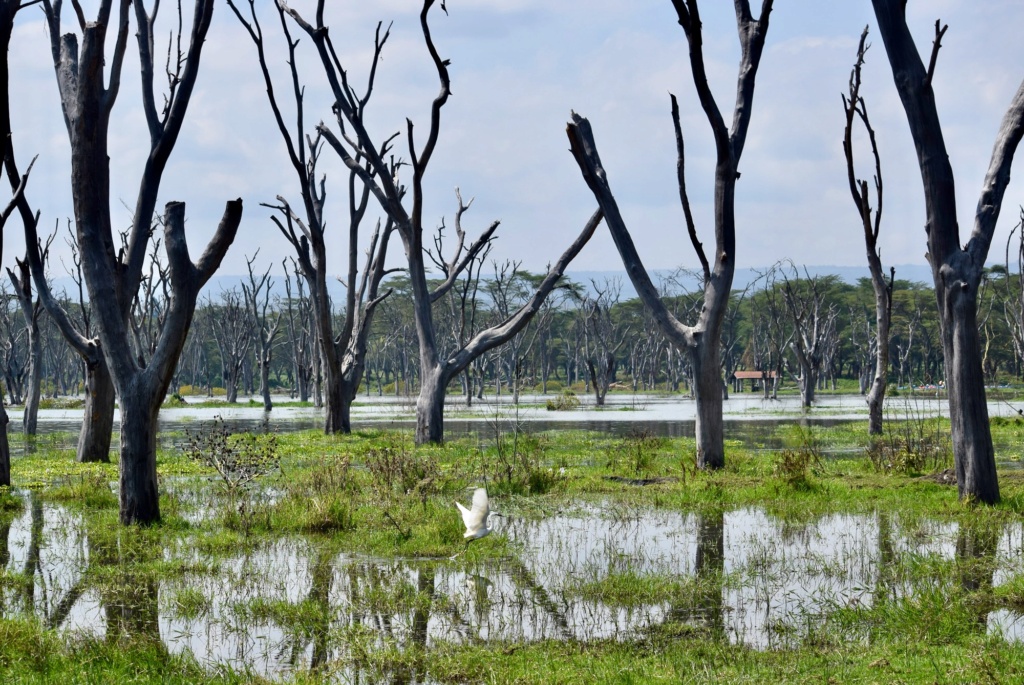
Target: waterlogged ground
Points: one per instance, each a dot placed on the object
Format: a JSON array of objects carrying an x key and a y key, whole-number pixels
[
  {"x": 586, "y": 572},
  {"x": 810, "y": 557}
]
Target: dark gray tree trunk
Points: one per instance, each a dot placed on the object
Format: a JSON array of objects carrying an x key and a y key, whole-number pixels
[
  {"x": 956, "y": 268},
  {"x": 707, "y": 390},
  {"x": 265, "y": 382},
  {"x": 140, "y": 497},
  {"x": 5, "y": 447},
  {"x": 718, "y": 273},
  {"x": 98, "y": 419},
  {"x": 87, "y": 96},
  {"x": 430, "y": 407}
]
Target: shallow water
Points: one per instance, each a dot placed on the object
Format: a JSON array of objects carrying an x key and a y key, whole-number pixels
[
  {"x": 748, "y": 417},
  {"x": 290, "y": 604}
]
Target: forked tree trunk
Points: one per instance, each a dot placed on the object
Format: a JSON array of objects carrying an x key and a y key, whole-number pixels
[
  {"x": 718, "y": 271},
  {"x": 98, "y": 418},
  {"x": 956, "y": 268}
]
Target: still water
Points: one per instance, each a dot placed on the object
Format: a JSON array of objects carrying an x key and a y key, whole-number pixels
[{"x": 292, "y": 604}]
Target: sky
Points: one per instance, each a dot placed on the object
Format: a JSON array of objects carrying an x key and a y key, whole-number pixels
[{"x": 518, "y": 67}]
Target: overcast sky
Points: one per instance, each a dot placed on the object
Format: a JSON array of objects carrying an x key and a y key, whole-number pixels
[{"x": 518, "y": 68}]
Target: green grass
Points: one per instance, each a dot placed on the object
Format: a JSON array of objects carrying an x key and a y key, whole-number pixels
[{"x": 374, "y": 517}]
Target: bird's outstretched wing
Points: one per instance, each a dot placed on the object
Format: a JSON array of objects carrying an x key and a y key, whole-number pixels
[
  {"x": 481, "y": 505},
  {"x": 475, "y": 518}
]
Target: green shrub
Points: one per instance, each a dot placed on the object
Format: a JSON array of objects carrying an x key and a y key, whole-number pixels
[
  {"x": 238, "y": 459},
  {"x": 567, "y": 401}
]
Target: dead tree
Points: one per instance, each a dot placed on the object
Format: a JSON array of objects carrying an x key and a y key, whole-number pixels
[
  {"x": 813, "y": 320},
  {"x": 87, "y": 95},
  {"x": 266, "y": 325},
  {"x": 856, "y": 108},
  {"x": 98, "y": 411},
  {"x": 31, "y": 309},
  {"x": 702, "y": 341},
  {"x": 956, "y": 267},
  {"x": 602, "y": 336},
  {"x": 232, "y": 328},
  {"x": 8, "y": 8},
  {"x": 371, "y": 162},
  {"x": 342, "y": 351}
]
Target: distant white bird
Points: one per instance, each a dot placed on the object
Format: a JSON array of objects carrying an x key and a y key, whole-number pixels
[{"x": 476, "y": 518}]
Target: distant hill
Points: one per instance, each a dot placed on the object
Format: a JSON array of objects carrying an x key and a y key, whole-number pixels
[
  {"x": 910, "y": 272},
  {"x": 849, "y": 274}
]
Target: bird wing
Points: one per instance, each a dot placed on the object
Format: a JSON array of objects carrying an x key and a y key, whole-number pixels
[
  {"x": 467, "y": 515},
  {"x": 481, "y": 505},
  {"x": 475, "y": 518}
]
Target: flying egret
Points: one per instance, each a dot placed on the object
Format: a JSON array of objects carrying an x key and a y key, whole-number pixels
[{"x": 476, "y": 517}]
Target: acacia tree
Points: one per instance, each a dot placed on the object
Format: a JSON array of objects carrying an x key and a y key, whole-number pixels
[
  {"x": 702, "y": 341},
  {"x": 956, "y": 267},
  {"x": 370, "y": 161},
  {"x": 87, "y": 96},
  {"x": 871, "y": 222}
]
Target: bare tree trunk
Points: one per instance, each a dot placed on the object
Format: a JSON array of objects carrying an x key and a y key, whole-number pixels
[
  {"x": 98, "y": 418},
  {"x": 5, "y": 447},
  {"x": 33, "y": 387},
  {"x": 707, "y": 391},
  {"x": 855, "y": 106},
  {"x": 265, "y": 382},
  {"x": 430, "y": 407},
  {"x": 956, "y": 268},
  {"x": 140, "y": 497},
  {"x": 718, "y": 272}
]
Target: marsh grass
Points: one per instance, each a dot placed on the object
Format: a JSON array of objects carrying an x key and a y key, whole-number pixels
[
  {"x": 377, "y": 515},
  {"x": 631, "y": 589}
]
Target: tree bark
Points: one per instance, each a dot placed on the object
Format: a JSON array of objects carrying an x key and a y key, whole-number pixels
[
  {"x": 707, "y": 390},
  {"x": 113, "y": 278},
  {"x": 430, "y": 407},
  {"x": 140, "y": 497},
  {"x": 98, "y": 419}
]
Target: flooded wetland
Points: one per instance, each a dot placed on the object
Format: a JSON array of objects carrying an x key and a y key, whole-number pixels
[{"x": 806, "y": 559}]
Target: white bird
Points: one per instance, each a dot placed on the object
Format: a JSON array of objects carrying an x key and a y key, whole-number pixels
[{"x": 476, "y": 518}]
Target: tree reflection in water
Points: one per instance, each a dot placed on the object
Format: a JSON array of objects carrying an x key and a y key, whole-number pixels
[
  {"x": 704, "y": 605},
  {"x": 976, "y": 545}
]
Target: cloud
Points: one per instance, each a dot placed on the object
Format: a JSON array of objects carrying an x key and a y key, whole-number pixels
[{"x": 518, "y": 67}]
